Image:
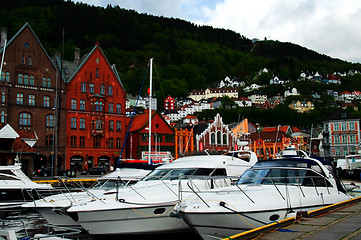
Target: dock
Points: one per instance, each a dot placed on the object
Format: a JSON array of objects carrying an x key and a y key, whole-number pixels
[{"x": 338, "y": 221}]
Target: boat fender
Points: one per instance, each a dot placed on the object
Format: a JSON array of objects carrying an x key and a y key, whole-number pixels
[
  {"x": 301, "y": 214},
  {"x": 121, "y": 200}
]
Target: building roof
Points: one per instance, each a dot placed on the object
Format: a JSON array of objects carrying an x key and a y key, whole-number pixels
[
  {"x": 269, "y": 136},
  {"x": 140, "y": 121},
  {"x": 341, "y": 114}
]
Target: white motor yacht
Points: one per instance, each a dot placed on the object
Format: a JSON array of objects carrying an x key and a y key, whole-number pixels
[
  {"x": 145, "y": 207},
  {"x": 16, "y": 188},
  {"x": 53, "y": 208},
  {"x": 270, "y": 191}
]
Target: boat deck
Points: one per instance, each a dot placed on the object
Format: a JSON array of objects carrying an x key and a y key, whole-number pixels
[{"x": 340, "y": 221}]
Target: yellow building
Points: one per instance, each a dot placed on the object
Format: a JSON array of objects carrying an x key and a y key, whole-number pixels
[{"x": 302, "y": 106}]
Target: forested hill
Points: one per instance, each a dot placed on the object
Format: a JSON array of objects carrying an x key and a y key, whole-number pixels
[{"x": 187, "y": 56}]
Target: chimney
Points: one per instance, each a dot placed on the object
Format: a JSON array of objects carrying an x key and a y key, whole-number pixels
[
  {"x": 77, "y": 55},
  {"x": 4, "y": 35}
]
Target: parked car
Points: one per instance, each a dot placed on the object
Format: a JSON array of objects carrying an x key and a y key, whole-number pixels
[
  {"x": 45, "y": 172},
  {"x": 96, "y": 171}
]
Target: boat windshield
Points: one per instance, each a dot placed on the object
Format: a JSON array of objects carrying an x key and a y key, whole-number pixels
[
  {"x": 267, "y": 176},
  {"x": 109, "y": 184},
  {"x": 183, "y": 173}
]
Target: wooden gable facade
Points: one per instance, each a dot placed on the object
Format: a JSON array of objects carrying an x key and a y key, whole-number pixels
[
  {"x": 96, "y": 117},
  {"x": 162, "y": 140}
]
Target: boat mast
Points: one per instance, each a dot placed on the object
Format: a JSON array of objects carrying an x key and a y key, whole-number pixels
[{"x": 150, "y": 112}]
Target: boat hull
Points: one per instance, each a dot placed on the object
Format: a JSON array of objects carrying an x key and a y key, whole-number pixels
[{"x": 148, "y": 220}]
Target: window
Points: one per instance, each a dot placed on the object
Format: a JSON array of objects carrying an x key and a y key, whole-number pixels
[
  {"x": 73, "y": 104},
  {"x": 98, "y": 124},
  {"x": 96, "y": 142},
  {"x": 337, "y": 152},
  {"x": 225, "y": 138},
  {"x": 118, "y": 126},
  {"x": 101, "y": 104},
  {"x": 337, "y": 138},
  {"x": 352, "y": 138},
  {"x": 336, "y": 126},
  {"x": 118, "y": 143},
  {"x": 83, "y": 87},
  {"x": 73, "y": 141},
  {"x": 82, "y": 141},
  {"x": 110, "y": 90},
  {"x": 119, "y": 108},
  {"x": 169, "y": 138},
  {"x": 213, "y": 138},
  {"x": 19, "y": 98},
  {"x": 97, "y": 72},
  {"x": 29, "y": 61},
  {"x": 25, "y": 119},
  {"x": 2, "y": 116},
  {"x": 352, "y": 126},
  {"x": 82, "y": 123},
  {"x": 82, "y": 105},
  {"x": 46, "y": 82},
  {"x": 110, "y": 107},
  {"x": 102, "y": 89},
  {"x": 20, "y": 78},
  {"x": 344, "y": 138},
  {"x": 26, "y": 79},
  {"x": 46, "y": 101},
  {"x": 3, "y": 97},
  {"x": 73, "y": 123},
  {"x": 219, "y": 138},
  {"x": 343, "y": 127},
  {"x": 111, "y": 142},
  {"x": 49, "y": 140},
  {"x": 5, "y": 76},
  {"x": 31, "y": 80},
  {"x": 23, "y": 59},
  {"x": 144, "y": 137},
  {"x": 91, "y": 88},
  {"x": 50, "y": 120},
  {"x": 111, "y": 125}
]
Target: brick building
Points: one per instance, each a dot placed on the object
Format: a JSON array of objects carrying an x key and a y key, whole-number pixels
[
  {"x": 95, "y": 112},
  {"x": 28, "y": 94}
]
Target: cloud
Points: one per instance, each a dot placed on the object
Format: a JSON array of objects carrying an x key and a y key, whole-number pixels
[{"x": 326, "y": 26}]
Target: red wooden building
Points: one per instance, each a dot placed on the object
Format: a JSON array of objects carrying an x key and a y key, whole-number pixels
[
  {"x": 95, "y": 119},
  {"x": 138, "y": 139}
]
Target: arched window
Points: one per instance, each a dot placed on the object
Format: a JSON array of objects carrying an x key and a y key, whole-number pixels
[
  {"x": 213, "y": 138},
  {"x": 219, "y": 138},
  {"x": 225, "y": 139},
  {"x": 25, "y": 119},
  {"x": 73, "y": 104},
  {"x": 46, "y": 101},
  {"x": 119, "y": 108},
  {"x": 99, "y": 125},
  {"x": 3, "y": 96}
]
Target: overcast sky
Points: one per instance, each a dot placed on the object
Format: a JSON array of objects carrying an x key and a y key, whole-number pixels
[{"x": 331, "y": 27}]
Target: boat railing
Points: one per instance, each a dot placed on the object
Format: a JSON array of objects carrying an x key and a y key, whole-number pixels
[
  {"x": 301, "y": 182},
  {"x": 65, "y": 190},
  {"x": 8, "y": 231}
]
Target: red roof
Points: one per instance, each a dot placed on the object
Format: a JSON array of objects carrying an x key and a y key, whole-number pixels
[
  {"x": 344, "y": 92},
  {"x": 140, "y": 121},
  {"x": 274, "y": 129},
  {"x": 295, "y": 129}
]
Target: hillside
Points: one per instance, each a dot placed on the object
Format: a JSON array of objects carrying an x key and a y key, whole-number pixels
[{"x": 187, "y": 56}]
